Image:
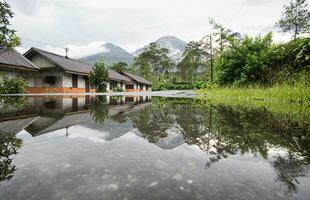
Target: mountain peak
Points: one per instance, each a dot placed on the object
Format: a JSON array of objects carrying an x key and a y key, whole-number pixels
[{"x": 175, "y": 46}]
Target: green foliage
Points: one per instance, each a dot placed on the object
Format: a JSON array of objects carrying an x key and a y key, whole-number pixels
[
  {"x": 99, "y": 109},
  {"x": 9, "y": 103},
  {"x": 8, "y": 37},
  {"x": 118, "y": 89},
  {"x": 246, "y": 62},
  {"x": 179, "y": 86},
  {"x": 296, "y": 18},
  {"x": 193, "y": 61},
  {"x": 119, "y": 67},
  {"x": 9, "y": 145},
  {"x": 99, "y": 76},
  {"x": 153, "y": 60},
  {"x": 12, "y": 85}
]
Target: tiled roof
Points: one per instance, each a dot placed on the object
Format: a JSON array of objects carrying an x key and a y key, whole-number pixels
[
  {"x": 67, "y": 64},
  {"x": 71, "y": 65},
  {"x": 137, "y": 78},
  {"x": 12, "y": 58},
  {"x": 116, "y": 76}
]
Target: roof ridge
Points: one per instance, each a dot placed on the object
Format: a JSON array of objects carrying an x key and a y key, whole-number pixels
[{"x": 35, "y": 48}]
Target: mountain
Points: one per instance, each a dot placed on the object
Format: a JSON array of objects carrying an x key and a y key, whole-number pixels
[
  {"x": 175, "y": 45},
  {"x": 111, "y": 54}
]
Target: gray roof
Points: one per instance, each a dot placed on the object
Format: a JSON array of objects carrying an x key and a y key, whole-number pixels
[
  {"x": 12, "y": 58},
  {"x": 116, "y": 76},
  {"x": 71, "y": 65},
  {"x": 137, "y": 78},
  {"x": 67, "y": 64}
]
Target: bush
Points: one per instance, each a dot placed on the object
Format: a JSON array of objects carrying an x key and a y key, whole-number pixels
[
  {"x": 12, "y": 85},
  {"x": 117, "y": 89},
  {"x": 179, "y": 86}
]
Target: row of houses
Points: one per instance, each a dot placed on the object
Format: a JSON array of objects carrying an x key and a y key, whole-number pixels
[{"x": 47, "y": 72}]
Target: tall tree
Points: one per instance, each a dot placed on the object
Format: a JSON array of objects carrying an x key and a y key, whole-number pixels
[
  {"x": 153, "y": 59},
  {"x": 8, "y": 37},
  {"x": 221, "y": 34},
  {"x": 295, "y": 18},
  {"x": 119, "y": 67},
  {"x": 193, "y": 60},
  {"x": 99, "y": 76}
]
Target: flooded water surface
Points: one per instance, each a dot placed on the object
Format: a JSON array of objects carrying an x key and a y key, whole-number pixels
[{"x": 89, "y": 147}]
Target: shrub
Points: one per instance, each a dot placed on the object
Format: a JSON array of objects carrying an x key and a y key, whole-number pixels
[
  {"x": 118, "y": 89},
  {"x": 12, "y": 85}
]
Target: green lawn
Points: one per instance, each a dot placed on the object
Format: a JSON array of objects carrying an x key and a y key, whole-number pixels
[{"x": 288, "y": 100}]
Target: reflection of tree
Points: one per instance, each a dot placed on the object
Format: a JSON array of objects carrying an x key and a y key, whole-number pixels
[
  {"x": 13, "y": 102},
  {"x": 99, "y": 109},
  {"x": 288, "y": 169},
  {"x": 222, "y": 131},
  {"x": 9, "y": 144},
  {"x": 152, "y": 122}
]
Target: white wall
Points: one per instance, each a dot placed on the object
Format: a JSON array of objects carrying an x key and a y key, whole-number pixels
[
  {"x": 81, "y": 82},
  {"x": 67, "y": 80},
  {"x": 40, "y": 76},
  {"x": 42, "y": 62}
]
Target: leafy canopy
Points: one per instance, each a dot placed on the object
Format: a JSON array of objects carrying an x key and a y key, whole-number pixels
[
  {"x": 193, "y": 60},
  {"x": 7, "y": 35},
  {"x": 99, "y": 76},
  {"x": 295, "y": 18},
  {"x": 247, "y": 61},
  {"x": 153, "y": 59},
  {"x": 119, "y": 67}
]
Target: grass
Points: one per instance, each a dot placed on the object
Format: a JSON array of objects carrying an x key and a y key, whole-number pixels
[{"x": 292, "y": 101}]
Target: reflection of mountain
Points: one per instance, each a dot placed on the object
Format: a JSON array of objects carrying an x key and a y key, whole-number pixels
[
  {"x": 171, "y": 141},
  {"x": 111, "y": 130}
]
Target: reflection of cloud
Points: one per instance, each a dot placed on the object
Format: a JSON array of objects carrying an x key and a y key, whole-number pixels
[{"x": 81, "y": 132}]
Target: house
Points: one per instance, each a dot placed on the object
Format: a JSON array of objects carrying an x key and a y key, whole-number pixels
[
  {"x": 58, "y": 74},
  {"x": 13, "y": 63},
  {"x": 47, "y": 72},
  {"x": 139, "y": 83},
  {"x": 65, "y": 75}
]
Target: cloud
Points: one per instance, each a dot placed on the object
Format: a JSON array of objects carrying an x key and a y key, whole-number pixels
[
  {"x": 75, "y": 51},
  {"x": 131, "y": 24}
]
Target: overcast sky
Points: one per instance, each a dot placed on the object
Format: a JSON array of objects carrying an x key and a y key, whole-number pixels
[{"x": 84, "y": 25}]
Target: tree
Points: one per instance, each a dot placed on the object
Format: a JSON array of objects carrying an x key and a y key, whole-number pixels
[
  {"x": 119, "y": 67},
  {"x": 247, "y": 62},
  {"x": 193, "y": 60},
  {"x": 99, "y": 76},
  {"x": 8, "y": 37},
  {"x": 99, "y": 109},
  {"x": 295, "y": 18},
  {"x": 153, "y": 59},
  {"x": 221, "y": 34},
  {"x": 12, "y": 85}
]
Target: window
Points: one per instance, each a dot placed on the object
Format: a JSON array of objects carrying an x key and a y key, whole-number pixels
[
  {"x": 113, "y": 84},
  {"x": 141, "y": 87},
  {"x": 50, "y": 80},
  {"x": 129, "y": 86},
  {"x": 74, "y": 80}
]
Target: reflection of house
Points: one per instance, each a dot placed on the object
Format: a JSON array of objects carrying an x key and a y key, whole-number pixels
[
  {"x": 51, "y": 73},
  {"x": 13, "y": 63},
  {"x": 43, "y": 115},
  {"x": 14, "y": 126}
]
